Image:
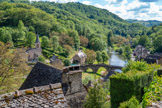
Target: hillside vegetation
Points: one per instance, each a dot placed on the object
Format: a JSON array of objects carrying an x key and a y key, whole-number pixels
[
  {"x": 148, "y": 23},
  {"x": 75, "y": 16}
]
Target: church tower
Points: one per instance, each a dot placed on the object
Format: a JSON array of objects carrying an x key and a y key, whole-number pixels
[{"x": 37, "y": 42}]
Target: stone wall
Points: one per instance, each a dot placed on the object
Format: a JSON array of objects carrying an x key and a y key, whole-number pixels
[{"x": 75, "y": 93}]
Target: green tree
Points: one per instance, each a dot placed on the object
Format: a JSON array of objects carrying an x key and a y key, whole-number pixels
[
  {"x": 91, "y": 56},
  {"x": 96, "y": 97},
  {"x": 110, "y": 34},
  {"x": 13, "y": 67},
  {"x": 19, "y": 34},
  {"x": 157, "y": 43},
  {"x": 97, "y": 44},
  {"x": 144, "y": 41},
  {"x": 45, "y": 42},
  {"x": 83, "y": 41},
  {"x": 105, "y": 57},
  {"x": 5, "y": 35},
  {"x": 42, "y": 59},
  {"x": 21, "y": 25},
  {"x": 75, "y": 36},
  {"x": 67, "y": 62},
  {"x": 55, "y": 42},
  {"x": 127, "y": 52},
  {"x": 99, "y": 57},
  {"x": 30, "y": 39}
]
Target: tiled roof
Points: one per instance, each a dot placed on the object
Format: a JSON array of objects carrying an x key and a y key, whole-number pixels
[{"x": 49, "y": 96}]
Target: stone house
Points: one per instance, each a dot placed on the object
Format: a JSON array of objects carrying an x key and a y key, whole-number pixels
[
  {"x": 56, "y": 62},
  {"x": 140, "y": 52},
  {"x": 79, "y": 58},
  {"x": 48, "y": 96},
  {"x": 70, "y": 80},
  {"x": 34, "y": 53},
  {"x": 155, "y": 58}
]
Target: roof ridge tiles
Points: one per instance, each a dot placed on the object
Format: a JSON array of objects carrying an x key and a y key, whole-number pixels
[{"x": 34, "y": 90}]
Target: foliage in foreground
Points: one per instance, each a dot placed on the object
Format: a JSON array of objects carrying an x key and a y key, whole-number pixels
[
  {"x": 13, "y": 67},
  {"x": 96, "y": 97},
  {"x": 131, "y": 82},
  {"x": 153, "y": 93},
  {"x": 132, "y": 103}
]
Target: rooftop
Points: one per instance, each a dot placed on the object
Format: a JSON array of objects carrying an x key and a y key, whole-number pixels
[
  {"x": 81, "y": 54},
  {"x": 49, "y": 96}
]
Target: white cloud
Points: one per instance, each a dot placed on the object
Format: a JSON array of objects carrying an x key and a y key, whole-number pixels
[
  {"x": 127, "y": 10},
  {"x": 86, "y": 2},
  {"x": 134, "y": 10}
]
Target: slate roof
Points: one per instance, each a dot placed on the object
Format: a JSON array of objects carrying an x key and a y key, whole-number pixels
[
  {"x": 37, "y": 39},
  {"x": 54, "y": 57},
  {"x": 41, "y": 75},
  {"x": 49, "y": 96}
]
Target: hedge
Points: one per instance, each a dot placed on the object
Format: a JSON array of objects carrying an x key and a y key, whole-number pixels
[{"x": 125, "y": 85}]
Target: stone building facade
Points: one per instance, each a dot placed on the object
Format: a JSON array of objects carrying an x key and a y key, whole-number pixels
[
  {"x": 75, "y": 93},
  {"x": 140, "y": 52},
  {"x": 79, "y": 58},
  {"x": 34, "y": 53},
  {"x": 56, "y": 62}
]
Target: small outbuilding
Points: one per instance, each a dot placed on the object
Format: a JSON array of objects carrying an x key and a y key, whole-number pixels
[
  {"x": 56, "y": 62},
  {"x": 79, "y": 58}
]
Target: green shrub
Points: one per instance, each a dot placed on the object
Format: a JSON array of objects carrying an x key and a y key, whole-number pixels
[
  {"x": 153, "y": 93},
  {"x": 130, "y": 83},
  {"x": 87, "y": 79},
  {"x": 96, "y": 97},
  {"x": 41, "y": 59},
  {"x": 137, "y": 66},
  {"x": 132, "y": 103},
  {"x": 67, "y": 62}
]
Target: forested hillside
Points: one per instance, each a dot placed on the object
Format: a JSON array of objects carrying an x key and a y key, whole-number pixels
[
  {"x": 82, "y": 16},
  {"x": 155, "y": 34},
  {"x": 63, "y": 28},
  {"x": 148, "y": 23}
]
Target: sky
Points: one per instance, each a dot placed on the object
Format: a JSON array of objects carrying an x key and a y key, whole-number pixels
[{"x": 126, "y": 9}]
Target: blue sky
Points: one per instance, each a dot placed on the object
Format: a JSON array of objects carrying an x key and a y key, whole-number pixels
[{"x": 126, "y": 9}]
